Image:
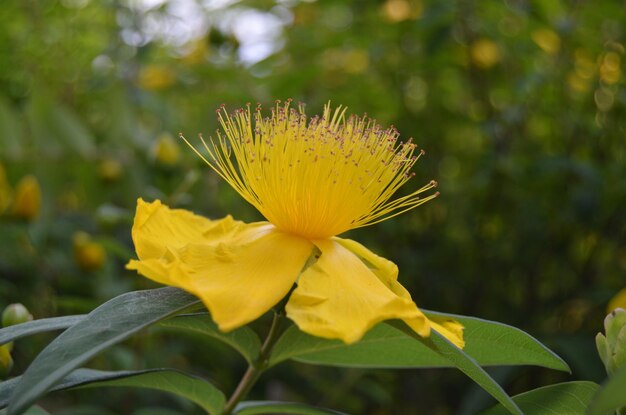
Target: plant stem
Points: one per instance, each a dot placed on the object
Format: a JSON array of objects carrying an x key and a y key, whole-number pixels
[{"x": 256, "y": 368}]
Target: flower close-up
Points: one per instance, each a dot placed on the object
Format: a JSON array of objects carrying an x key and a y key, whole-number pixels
[{"x": 312, "y": 179}]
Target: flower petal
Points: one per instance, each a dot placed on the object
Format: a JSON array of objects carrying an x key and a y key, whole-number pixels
[
  {"x": 158, "y": 228},
  {"x": 340, "y": 297},
  {"x": 238, "y": 271},
  {"x": 387, "y": 271}
]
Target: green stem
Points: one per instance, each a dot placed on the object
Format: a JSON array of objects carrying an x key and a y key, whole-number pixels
[{"x": 256, "y": 368}]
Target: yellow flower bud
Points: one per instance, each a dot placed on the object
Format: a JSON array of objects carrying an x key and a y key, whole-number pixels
[
  {"x": 618, "y": 301},
  {"x": 27, "y": 201},
  {"x": 484, "y": 53},
  {"x": 156, "y": 77},
  {"x": 166, "y": 150},
  {"x": 6, "y": 361},
  {"x": 548, "y": 40},
  {"x": 110, "y": 170},
  {"x": 88, "y": 254}
]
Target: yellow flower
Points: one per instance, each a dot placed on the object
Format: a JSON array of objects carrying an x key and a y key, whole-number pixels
[
  {"x": 618, "y": 301},
  {"x": 312, "y": 179},
  {"x": 88, "y": 254},
  {"x": 27, "y": 199}
]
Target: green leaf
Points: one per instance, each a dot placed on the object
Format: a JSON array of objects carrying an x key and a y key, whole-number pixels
[
  {"x": 272, "y": 407},
  {"x": 33, "y": 410},
  {"x": 489, "y": 343},
  {"x": 610, "y": 396},
  {"x": 244, "y": 340},
  {"x": 191, "y": 387},
  {"x": 559, "y": 399},
  {"x": 105, "y": 326},
  {"x": 11, "y": 333},
  {"x": 466, "y": 365}
]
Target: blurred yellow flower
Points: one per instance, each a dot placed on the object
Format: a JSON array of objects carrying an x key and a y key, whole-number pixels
[
  {"x": 88, "y": 254},
  {"x": 400, "y": 10},
  {"x": 110, "y": 170},
  {"x": 166, "y": 150},
  {"x": 6, "y": 193},
  {"x": 27, "y": 198},
  {"x": 6, "y": 361},
  {"x": 618, "y": 301},
  {"x": 312, "y": 179},
  {"x": 484, "y": 53},
  {"x": 548, "y": 40},
  {"x": 156, "y": 77},
  {"x": 610, "y": 68}
]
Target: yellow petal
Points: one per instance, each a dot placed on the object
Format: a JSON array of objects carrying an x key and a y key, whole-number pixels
[
  {"x": 158, "y": 228},
  {"x": 340, "y": 297},
  {"x": 387, "y": 272},
  {"x": 448, "y": 328},
  {"x": 239, "y": 271},
  {"x": 618, "y": 301}
]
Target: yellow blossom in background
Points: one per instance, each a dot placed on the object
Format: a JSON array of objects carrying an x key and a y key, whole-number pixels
[
  {"x": 198, "y": 50},
  {"x": 484, "y": 53},
  {"x": 110, "y": 170},
  {"x": 88, "y": 254},
  {"x": 618, "y": 301},
  {"x": 6, "y": 193},
  {"x": 156, "y": 77},
  {"x": 27, "y": 198},
  {"x": 548, "y": 40},
  {"x": 312, "y": 179},
  {"x": 166, "y": 150},
  {"x": 610, "y": 68},
  {"x": 400, "y": 10}
]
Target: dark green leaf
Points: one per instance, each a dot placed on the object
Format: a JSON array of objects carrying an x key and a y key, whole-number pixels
[
  {"x": 105, "y": 326},
  {"x": 560, "y": 399},
  {"x": 466, "y": 365},
  {"x": 33, "y": 410},
  {"x": 244, "y": 340},
  {"x": 489, "y": 343},
  {"x": 271, "y": 407},
  {"x": 611, "y": 396},
  {"x": 168, "y": 380},
  {"x": 11, "y": 333}
]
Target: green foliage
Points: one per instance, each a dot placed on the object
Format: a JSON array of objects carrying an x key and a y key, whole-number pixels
[
  {"x": 489, "y": 343},
  {"x": 244, "y": 340},
  {"x": 266, "y": 407},
  {"x": 108, "y": 324},
  {"x": 167, "y": 380},
  {"x": 520, "y": 107},
  {"x": 11, "y": 333},
  {"x": 610, "y": 397},
  {"x": 560, "y": 399}
]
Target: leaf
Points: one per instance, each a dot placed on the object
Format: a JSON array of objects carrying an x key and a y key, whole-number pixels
[
  {"x": 273, "y": 407},
  {"x": 559, "y": 399},
  {"x": 191, "y": 387},
  {"x": 489, "y": 343},
  {"x": 467, "y": 365},
  {"x": 11, "y": 333},
  {"x": 610, "y": 396},
  {"x": 105, "y": 326},
  {"x": 244, "y": 340},
  {"x": 33, "y": 410}
]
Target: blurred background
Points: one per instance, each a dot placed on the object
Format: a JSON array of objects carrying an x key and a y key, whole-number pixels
[{"x": 520, "y": 106}]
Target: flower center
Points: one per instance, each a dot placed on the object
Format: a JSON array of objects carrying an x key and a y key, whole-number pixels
[{"x": 316, "y": 177}]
